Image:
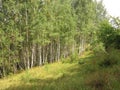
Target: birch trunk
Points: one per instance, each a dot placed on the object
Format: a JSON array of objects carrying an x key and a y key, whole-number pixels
[
  {"x": 33, "y": 56},
  {"x": 58, "y": 51},
  {"x": 40, "y": 56},
  {"x": 43, "y": 55},
  {"x": 27, "y": 58},
  {"x": 51, "y": 53},
  {"x": 27, "y": 36}
]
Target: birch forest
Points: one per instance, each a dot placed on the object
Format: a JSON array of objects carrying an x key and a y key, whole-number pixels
[{"x": 38, "y": 32}]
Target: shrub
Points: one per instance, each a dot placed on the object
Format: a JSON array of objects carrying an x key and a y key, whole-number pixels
[
  {"x": 98, "y": 48},
  {"x": 107, "y": 62},
  {"x": 26, "y": 77},
  {"x": 74, "y": 57},
  {"x": 98, "y": 80},
  {"x": 65, "y": 60},
  {"x": 116, "y": 72},
  {"x": 108, "y": 59}
]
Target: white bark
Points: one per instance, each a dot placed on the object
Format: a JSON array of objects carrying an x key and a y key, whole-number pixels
[
  {"x": 51, "y": 53},
  {"x": 33, "y": 55},
  {"x": 58, "y": 51},
  {"x": 40, "y": 56},
  {"x": 27, "y": 57},
  {"x": 82, "y": 44},
  {"x": 0, "y": 4},
  {"x": 43, "y": 55},
  {"x": 27, "y": 49}
]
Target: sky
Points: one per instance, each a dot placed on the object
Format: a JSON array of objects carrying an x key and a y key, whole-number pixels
[{"x": 113, "y": 7}]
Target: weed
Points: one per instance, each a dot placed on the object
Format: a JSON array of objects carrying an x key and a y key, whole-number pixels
[
  {"x": 97, "y": 80},
  {"x": 26, "y": 77}
]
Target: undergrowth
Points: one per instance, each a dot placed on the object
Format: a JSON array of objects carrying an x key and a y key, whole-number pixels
[{"x": 97, "y": 70}]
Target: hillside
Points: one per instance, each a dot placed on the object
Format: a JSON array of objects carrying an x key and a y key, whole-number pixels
[
  {"x": 83, "y": 74},
  {"x": 58, "y": 45}
]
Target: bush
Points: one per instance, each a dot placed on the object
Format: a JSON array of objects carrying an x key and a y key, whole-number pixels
[
  {"x": 98, "y": 80},
  {"x": 99, "y": 47},
  {"x": 116, "y": 72},
  {"x": 108, "y": 59},
  {"x": 65, "y": 60},
  {"x": 26, "y": 77},
  {"x": 72, "y": 58}
]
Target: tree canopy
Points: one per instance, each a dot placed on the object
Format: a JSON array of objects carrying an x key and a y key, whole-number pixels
[{"x": 36, "y": 32}]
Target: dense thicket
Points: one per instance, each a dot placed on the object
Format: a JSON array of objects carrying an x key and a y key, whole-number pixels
[
  {"x": 35, "y": 32},
  {"x": 109, "y": 33}
]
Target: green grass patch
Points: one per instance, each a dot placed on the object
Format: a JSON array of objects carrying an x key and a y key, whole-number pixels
[{"x": 83, "y": 73}]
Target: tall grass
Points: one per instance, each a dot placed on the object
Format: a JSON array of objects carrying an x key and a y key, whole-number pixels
[
  {"x": 103, "y": 72},
  {"x": 99, "y": 71}
]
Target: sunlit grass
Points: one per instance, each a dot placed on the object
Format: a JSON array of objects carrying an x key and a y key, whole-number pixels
[
  {"x": 83, "y": 74},
  {"x": 50, "y": 71}
]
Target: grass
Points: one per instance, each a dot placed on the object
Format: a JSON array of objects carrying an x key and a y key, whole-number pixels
[{"x": 82, "y": 74}]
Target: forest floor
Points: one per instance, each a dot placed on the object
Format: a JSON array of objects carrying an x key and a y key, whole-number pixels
[{"x": 81, "y": 74}]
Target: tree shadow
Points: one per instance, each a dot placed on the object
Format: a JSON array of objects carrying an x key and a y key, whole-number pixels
[
  {"x": 72, "y": 79},
  {"x": 67, "y": 81}
]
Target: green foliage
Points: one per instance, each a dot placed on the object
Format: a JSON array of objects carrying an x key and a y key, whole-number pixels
[
  {"x": 103, "y": 70},
  {"x": 98, "y": 47},
  {"x": 108, "y": 59},
  {"x": 26, "y": 77},
  {"x": 98, "y": 80},
  {"x": 36, "y": 32},
  {"x": 65, "y": 60},
  {"x": 71, "y": 59},
  {"x": 74, "y": 57},
  {"x": 67, "y": 76},
  {"x": 109, "y": 35}
]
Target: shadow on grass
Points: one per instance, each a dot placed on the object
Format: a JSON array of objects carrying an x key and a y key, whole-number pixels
[{"x": 71, "y": 80}]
